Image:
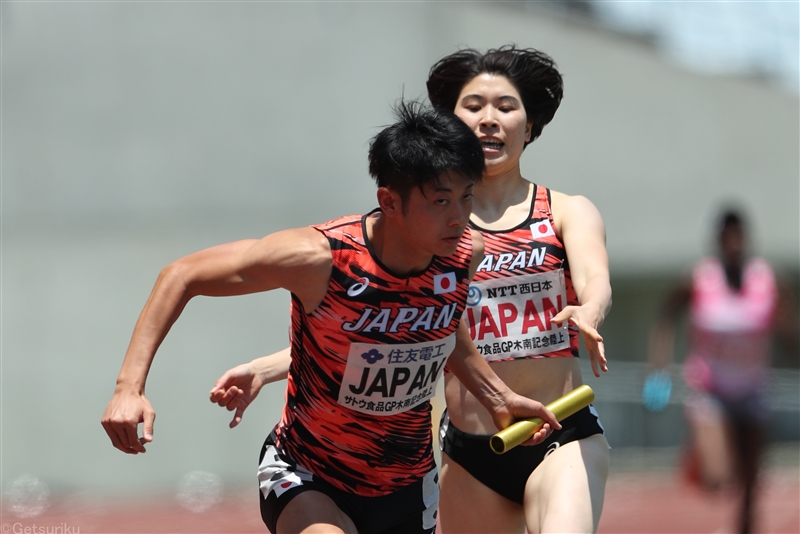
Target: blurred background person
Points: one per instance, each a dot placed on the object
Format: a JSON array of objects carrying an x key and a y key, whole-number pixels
[{"x": 735, "y": 305}]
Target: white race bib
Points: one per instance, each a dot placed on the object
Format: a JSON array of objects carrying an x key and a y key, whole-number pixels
[
  {"x": 389, "y": 379},
  {"x": 511, "y": 317}
]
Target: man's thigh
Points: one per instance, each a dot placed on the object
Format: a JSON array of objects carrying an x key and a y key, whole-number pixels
[{"x": 313, "y": 512}]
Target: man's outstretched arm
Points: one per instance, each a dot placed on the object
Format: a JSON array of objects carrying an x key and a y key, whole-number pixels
[{"x": 298, "y": 260}]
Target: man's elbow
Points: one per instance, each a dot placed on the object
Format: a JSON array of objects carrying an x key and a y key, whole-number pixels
[{"x": 176, "y": 276}]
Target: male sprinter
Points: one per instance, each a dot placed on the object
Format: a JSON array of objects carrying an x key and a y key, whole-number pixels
[{"x": 376, "y": 307}]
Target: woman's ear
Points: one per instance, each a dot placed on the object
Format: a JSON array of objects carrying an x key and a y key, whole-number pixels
[{"x": 528, "y": 128}]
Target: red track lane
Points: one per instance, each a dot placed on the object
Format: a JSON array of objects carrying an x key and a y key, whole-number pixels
[{"x": 635, "y": 503}]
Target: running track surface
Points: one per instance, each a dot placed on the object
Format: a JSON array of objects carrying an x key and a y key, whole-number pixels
[{"x": 635, "y": 503}]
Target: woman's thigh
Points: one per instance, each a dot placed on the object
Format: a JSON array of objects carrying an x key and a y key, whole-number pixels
[
  {"x": 467, "y": 506},
  {"x": 566, "y": 492}
]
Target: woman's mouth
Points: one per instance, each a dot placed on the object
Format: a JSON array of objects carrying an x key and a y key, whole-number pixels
[{"x": 491, "y": 145}]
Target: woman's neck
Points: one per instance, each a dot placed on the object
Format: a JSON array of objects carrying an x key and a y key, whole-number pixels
[
  {"x": 497, "y": 196},
  {"x": 733, "y": 273}
]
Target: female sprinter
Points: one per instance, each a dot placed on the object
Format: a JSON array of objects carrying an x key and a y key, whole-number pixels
[{"x": 543, "y": 281}]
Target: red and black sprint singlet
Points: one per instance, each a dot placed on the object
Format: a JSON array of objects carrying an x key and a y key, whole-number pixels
[
  {"x": 522, "y": 282},
  {"x": 366, "y": 362}
]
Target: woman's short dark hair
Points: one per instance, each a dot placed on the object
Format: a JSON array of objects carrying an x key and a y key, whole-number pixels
[
  {"x": 730, "y": 217},
  {"x": 423, "y": 144},
  {"x": 533, "y": 73}
]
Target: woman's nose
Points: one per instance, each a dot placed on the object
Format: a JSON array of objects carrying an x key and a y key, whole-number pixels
[{"x": 488, "y": 117}]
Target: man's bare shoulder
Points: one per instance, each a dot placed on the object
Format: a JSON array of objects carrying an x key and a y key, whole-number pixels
[
  {"x": 295, "y": 247},
  {"x": 297, "y": 259}
]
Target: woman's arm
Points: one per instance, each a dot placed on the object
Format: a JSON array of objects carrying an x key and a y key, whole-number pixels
[
  {"x": 239, "y": 386},
  {"x": 584, "y": 236}
]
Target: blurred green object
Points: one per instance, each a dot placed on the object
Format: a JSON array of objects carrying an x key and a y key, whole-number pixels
[{"x": 657, "y": 390}]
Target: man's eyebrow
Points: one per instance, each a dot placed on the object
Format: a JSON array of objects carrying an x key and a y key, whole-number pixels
[{"x": 446, "y": 189}]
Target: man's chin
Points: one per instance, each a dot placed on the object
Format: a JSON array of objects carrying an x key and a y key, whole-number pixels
[{"x": 447, "y": 250}]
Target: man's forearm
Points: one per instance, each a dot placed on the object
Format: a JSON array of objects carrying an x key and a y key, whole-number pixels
[
  {"x": 472, "y": 370},
  {"x": 164, "y": 306}
]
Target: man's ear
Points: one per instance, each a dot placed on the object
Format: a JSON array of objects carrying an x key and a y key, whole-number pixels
[{"x": 390, "y": 202}]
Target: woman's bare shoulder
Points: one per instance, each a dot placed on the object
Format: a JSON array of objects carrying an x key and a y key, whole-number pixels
[{"x": 574, "y": 210}]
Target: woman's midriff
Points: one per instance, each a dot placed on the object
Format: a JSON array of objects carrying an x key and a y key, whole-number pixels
[{"x": 541, "y": 379}]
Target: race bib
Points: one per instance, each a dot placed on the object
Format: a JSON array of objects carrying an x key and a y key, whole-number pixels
[
  {"x": 511, "y": 317},
  {"x": 389, "y": 379}
]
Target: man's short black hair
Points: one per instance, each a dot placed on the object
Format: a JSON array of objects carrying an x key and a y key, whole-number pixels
[{"x": 422, "y": 145}]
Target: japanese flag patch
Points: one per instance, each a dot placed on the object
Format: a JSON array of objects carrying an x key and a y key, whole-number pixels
[
  {"x": 541, "y": 229},
  {"x": 444, "y": 283}
]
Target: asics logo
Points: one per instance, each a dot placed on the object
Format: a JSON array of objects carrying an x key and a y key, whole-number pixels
[
  {"x": 359, "y": 287},
  {"x": 552, "y": 448}
]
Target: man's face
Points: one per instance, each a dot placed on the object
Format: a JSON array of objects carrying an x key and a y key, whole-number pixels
[{"x": 435, "y": 217}]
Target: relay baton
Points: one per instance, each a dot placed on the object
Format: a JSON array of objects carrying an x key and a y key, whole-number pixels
[{"x": 522, "y": 431}]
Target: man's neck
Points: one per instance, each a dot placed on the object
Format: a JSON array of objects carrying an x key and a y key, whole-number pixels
[{"x": 394, "y": 252}]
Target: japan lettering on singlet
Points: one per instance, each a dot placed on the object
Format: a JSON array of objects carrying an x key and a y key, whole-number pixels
[
  {"x": 521, "y": 284},
  {"x": 366, "y": 362}
]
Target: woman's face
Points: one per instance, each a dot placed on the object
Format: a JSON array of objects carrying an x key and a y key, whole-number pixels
[
  {"x": 492, "y": 107},
  {"x": 732, "y": 244}
]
